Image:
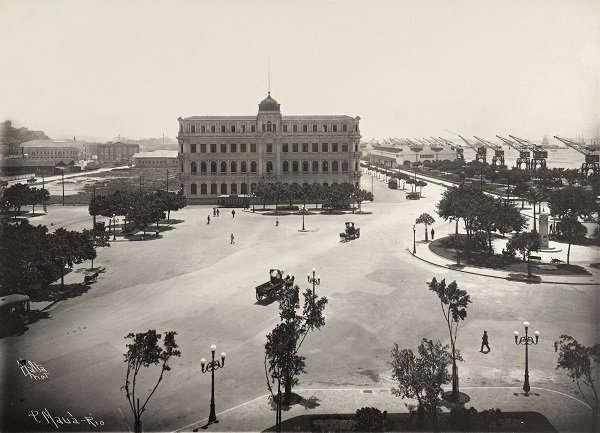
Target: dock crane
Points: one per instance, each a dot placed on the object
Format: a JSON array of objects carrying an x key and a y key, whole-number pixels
[
  {"x": 460, "y": 154},
  {"x": 480, "y": 151},
  {"x": 591, "y": 157},
  {"x": 524, "y": 153},
  {"x": 498, "y": 152},
  {"x": 539, "y": 153}
]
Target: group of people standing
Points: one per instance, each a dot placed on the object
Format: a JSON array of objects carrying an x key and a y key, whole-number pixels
[{"x": 216, "y": 213}]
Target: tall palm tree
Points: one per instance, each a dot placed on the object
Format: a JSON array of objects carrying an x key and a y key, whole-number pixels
[{"x": 535, "y": 196}]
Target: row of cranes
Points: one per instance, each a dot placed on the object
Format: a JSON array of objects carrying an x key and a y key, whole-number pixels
[{"x": 531, "y": 155}]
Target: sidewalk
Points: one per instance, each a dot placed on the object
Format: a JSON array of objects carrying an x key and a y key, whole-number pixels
[{"x": 564, "y": 412}]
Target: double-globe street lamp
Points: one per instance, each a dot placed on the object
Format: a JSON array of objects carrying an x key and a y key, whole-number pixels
[
  {"x": 303, "y": 212},
  {"x": 211, "y": 367},
  {"x": 526, "y": 341},
  {"x": 315, "y": 280},
  {"x": 414, "y": 239}
]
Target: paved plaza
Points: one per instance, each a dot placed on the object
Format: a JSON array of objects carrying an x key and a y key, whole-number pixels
[{"x": 192, "y": 280}]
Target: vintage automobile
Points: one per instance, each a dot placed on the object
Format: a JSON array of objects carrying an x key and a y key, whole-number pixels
[
  {"x": 273, "y": 288},
  {"x": 350, "y": 233}
]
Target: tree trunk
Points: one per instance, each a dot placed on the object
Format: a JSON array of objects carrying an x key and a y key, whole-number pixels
[
  {"x": 426, "y": 238},
  {"x": 288, "y": 391},
  {"x": 456, "y": 230},
  {"x": 534, "y": 219},
  {"x": 568, "y": 252},
  {"x": 62, "y": 276}
]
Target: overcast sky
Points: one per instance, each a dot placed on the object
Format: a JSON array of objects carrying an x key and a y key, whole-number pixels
[{"x": 407, "y": 68}]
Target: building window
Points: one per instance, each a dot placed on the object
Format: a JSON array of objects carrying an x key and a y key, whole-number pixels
[
  {"x": 334, "y": 126},
  {"x": 304, "y": 147},
  {"x": 253, "y": 128},
  {"x": 344, "y": 147},
  {"x": 356, "y": 127},
  {"x": 252, "y": 187},
  {"x": 223, "y": 147},
  {"x": 315, "y": 147},
  {"x": 233, "y": 167},
  {"x": 243, "y": 148},
  {"x": 325, "y": 166},
  {"x": 203, "y": 189},
  {"x": 223, "y": 188},
  {"x": 295, "y": 166},
  {"x": 213, "y": 167},
  {"x": 234, "y": 188},
  {"x": 253, "y": 167},
  {"x": 344, "y": 128},
  {"x": 325, "y": 147},
  {"x": 294, "y": 128},
  {"x": 286, "y": 166},
  {"x": 344, "y": 166},
  {"x": 314, "y": 128},
  {"x": 355, "y": 165},
  {"x": 243, "y": 128},
  {"x": 269, "y": 148},
  {"x": 294, "y": 147},
  {"x": 244, "y": 189},
  {"x": 232, "y": 128},
  {"x": 243, "y": 166},
  {"x": 193, "y": 167},
  {"x": 304, "y": 166},
  {"x": 194, "y": 189},
  {"x": 284, "y": 128},
  {"x": 334, "y": 166},
  {"x": 182, "y": 167},
  {"x": 304, "y": 128},
  {"x": 252, "y": 147},
  {"x": 334, "y": 147},
  {"x": 193, "y": 129},
  {"x": 233, "y": 147},
  {"x": 222, "y": 129},
  {"x": 203, "y": 167},
  {"x": 213, "y": 148},
  {"x": 180, "y": 127},
  {"x": 284, "y": 147},
  {"x": 356, "y": 147},
  {"x": 202, "y": 147},
  {"x": 213, "y": 188},
  {"x": 324, "y": 128},
  {"x": 315, "y": 166},
  {"x": 223, "y": 167},
  {"x": 269, "y": 166},
  {"x": 192, "y": 148},
  {"x": 213, "y": 129},
  {"x": 269, "y": 126},
  {"x": 202, "y": 130}
]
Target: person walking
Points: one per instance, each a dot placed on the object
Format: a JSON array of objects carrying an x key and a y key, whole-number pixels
[
  {"x": 432, "y": 233},
  {"x": 276, "y": 221},
  {"x": 214, "y": 211},
  {"x": 233, "y": 213},
  {"x": 217, "y": 212},
  {"x": 208, "y": 219},
  {"x": 484, "y": 341},
  {"x": 232, "y": 241}
]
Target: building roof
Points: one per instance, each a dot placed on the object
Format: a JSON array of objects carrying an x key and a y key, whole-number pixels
[
  {"x": 388, "y": 149},
  {"x": 157, "y": 154},
  {"x": 12, "y": 299},
  {"x": 268, "y": 104},
  {"x": 118, "y": 143},
  {"x": 283, "y": 118},
  {"x": 52, "y": 143}
]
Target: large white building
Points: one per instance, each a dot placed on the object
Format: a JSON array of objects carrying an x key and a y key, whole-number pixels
[{"x": 230, "y": 155}]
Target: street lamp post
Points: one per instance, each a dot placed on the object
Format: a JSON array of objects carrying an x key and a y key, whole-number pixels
[
  {"x": 314, "y": 280},
  {"x": 114, "y": 227},
  {"x": 414, "y": 239},
  {"x": 526, "y": 341},
  {"x": 62, "y": 172},
  {"x": 211, "y": 367},
  {"x": 303, "y": 212}
]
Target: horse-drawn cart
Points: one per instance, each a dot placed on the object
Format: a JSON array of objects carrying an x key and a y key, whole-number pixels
[
  {"x": 277, "y": 283},
  {"x": 350, "y": 233}
]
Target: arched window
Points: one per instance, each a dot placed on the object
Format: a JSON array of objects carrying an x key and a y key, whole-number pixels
[
  {"x": 213, "y": 167},
  {"x": 213, "y": 188},
  {"x": 253, "y": 167},
  {"x": 244, "y": 167},
  {"x": 244, "y": 188},
  {"x": 203, "y": 189},
  {"x": 223, "y": 188},
  {"x": 325, "y": 166},
  {"x": 233, "y": 167},
  {"x": 286, "y": 166},
  {"x": 295, "y": 166},
  {"x": 344, "y": 166},
  {"x": 203, "y": 167},
  {"x": 315, "y": 166},
  {"x": 234, "y": 188},
  {"x": 193, "y": 167},
  {"x": 304, "y": 166},
  {"x": 334, "y": 166},
  {"x": 223, "y": 167},
  {"x": 194, "y": 189},
  {"x": 269, "y": 166}
]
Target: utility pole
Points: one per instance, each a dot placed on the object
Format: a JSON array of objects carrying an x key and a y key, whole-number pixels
[
  {"x": 94, "y": 206},
  {"x": 62, "y": 172}
]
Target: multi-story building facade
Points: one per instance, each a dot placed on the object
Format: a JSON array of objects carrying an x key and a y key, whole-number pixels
[
  {"x": 117, "y": 152},
  {"x": 230, "y": 155}
]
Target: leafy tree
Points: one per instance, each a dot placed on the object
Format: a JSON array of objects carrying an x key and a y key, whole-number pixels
[
  {"x": 363, "y": 195},
  {"x": 17, "y": 195},
  {"x": 535, "y": 196},
  {"x": 316, "y": 191},
  {"x": 454, "y": 303},
  {"x": 260, "y": 192},
  {"x": 293, "y": 192},
  {"x": 38, "y": 196},
  {"x": 67, "y": 248},
  {"x": 521, "y": 189},
  {"x": 422, "y": 378},
  {"x": 145, "y": 351},
  {"x": 572, "y": 202},
  {"x": 427, "y": 220},
  {"x": 571, "y": 230},
  {"x": 580, "y": 362},
  {"x": 305, "y": 193},
  {"x": 525, "y": 243},
  {"x": 411, "y": 182},
  {"x": 98, "y": 240}
]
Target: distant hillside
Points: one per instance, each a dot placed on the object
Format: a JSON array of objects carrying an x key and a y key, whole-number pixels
[{"x": 11, "y": 137}]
